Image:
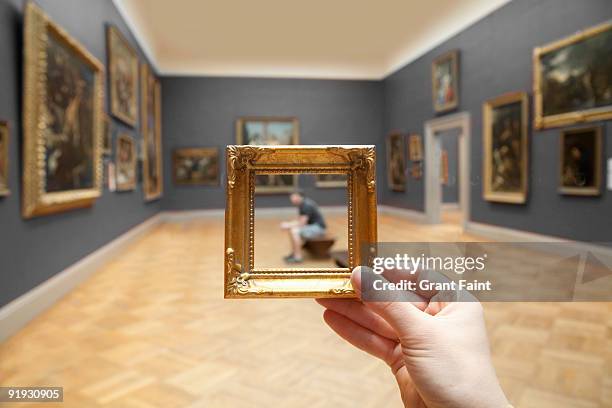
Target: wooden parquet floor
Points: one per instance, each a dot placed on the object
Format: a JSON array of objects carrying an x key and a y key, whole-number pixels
[{"x": 151, "y": 329}]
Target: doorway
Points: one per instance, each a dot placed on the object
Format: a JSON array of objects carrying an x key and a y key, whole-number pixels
[{"x": 440, "y": 134}]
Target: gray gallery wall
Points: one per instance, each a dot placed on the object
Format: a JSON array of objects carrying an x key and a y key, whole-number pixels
[
  {"x": 449, "y": 141},
  {"x": 200, "y": 111},
  {"x": 496, "y": 58},
  {"x": 34, "y": 250}
]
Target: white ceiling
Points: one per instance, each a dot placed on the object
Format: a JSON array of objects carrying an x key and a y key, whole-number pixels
[{"x": 349, "y": 39}]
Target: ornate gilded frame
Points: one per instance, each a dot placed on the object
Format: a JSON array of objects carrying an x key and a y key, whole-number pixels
[
  {"x": 36, "y": 201},
  {"x": 130, "y": 184},
  {"x": 242, "y": 279},
  {"x": 195, "y": 151},
  {"x": 148, "y": 79},
  {"x": 4, "y": 154},
  {"x": 518, "y": 197},
  {"x": 586, "y": 115},
  {"x": 113, "y": 33},
  {"x": 582, "y": 191},
  {"x": 295, "y": 140},
  {"x": 453, "y": 56}
]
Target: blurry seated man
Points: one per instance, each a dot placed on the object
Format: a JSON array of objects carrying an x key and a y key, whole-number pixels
[{"x": 308, "y": 225}]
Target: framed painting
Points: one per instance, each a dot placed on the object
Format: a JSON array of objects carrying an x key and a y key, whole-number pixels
[
  {"x": 396, "y": 162},
  {"x": 415, "y": 147},
  {"x": 444, "y": 167},
  {"x": 152, "y": 162},
  {"x": 330, "y": 181},
  {"x": 125, "y": 162},
  {"x": 572, "y": 78},
  {"x": 580, "y": 161},
  {"x": 244, "y": 280},
  {"x": 196, "y": 166},
  {"x": 445, "y": 81},
  {"x": 122, "y": 77},
  {"x": 506, "y": 148},
  {"x": 269, "y": 131},
  {"x": 4, "y": 157},
  {"x": 63, "y": 119},
  {"x": 107, "y": 137}
]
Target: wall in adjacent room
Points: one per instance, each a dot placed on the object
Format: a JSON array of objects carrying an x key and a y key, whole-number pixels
[
  {"x": 495, "y": 58},
  {"x": 202, "y": 111},
  {"x": 449, "y": 141},
  {"x": 31, "y": 251}
]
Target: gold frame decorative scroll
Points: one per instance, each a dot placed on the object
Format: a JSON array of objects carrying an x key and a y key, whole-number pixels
[{"x": 242, "y": 279}]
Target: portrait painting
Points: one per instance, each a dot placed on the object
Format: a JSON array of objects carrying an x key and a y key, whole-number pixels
[
  {"x": 62, "y": 166},
  {"x": 265, "y": 131},
  {"x": 505, "y": 148},
  {"x": 445, "y": 81},
  {"x": 197, "y": 166},
  {"x": 573, "y": 78},
  {"x": 4, "y": 155},
  {"x": 396, "y": 162},
  {"x": 125, "y": 162},
  {"x": 331, "y": 180},
  {"x": 580, "y": 157},
  {"x": 151, "y": 133},
  {"x": 122, "y": 77},
  {"x": 415, "y": 147}
]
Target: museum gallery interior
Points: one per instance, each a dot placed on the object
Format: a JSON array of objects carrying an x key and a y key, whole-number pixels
[{"x": 163, "y": 161}]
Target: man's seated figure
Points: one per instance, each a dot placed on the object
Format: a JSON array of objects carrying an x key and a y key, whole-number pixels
[{"x": 309, "y": 224}]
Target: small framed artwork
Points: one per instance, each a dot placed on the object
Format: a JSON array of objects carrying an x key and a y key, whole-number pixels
[
  {"x": 415, "y": 147},
  {"x": 331, "y": 180},
  {"x": 445, "y": 81},
  {"x": 270, "y": 131},
  {"x": 506, "y": 148},
  {"x": 572, "y": 78},
  {"x": 580, "y": 161},
  {"x": 125, "y": 163},
  {"x": 4, "y": 156},
  {"x": 444, "y": 167},
  {"x": 396, "y": 162},
  {"x": 196, "y": 166},
  {"x": 122, "y": 77},
  {"x": 416, "y": 171},
  {"x": 107, "y": 137}
]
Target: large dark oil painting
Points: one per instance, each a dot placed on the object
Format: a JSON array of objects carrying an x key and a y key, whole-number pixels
[
  {"x": 574, "y": 78},
  {"x": 396, "y": 162},
  {"x": 580, "y": 166},
  {"x": 151, "y": 132}
]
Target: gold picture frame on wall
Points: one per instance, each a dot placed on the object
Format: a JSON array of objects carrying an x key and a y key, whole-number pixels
[
  {"x": 122, "y": 77},
  {"x": 270, "y": 131},
  {"x": 4, "y": 158},
  {"x": 125, "y": 162},
  {"x": 244, "y": 163},
  {"x": 63, "y": 119},
  {"x": 396, "y": 162},
  {"x": 152, "y": 164},
  {"x": 572, "y": 78},
  {"x": 580, "y": 161},
  {"x": 445, "y": 81},
  {"x": 506, "y": 148}
]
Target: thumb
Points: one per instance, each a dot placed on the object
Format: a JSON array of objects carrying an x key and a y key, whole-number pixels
[{"x": 400, "y": 308}]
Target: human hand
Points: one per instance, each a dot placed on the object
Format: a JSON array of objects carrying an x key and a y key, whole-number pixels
[{"x": 437, "y": 350}]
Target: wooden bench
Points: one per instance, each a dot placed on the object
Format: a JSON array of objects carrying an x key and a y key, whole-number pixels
[{"x": 319, "y": 247}]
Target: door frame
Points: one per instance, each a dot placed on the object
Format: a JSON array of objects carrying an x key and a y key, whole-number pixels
[{"x": 433, "y": 191}]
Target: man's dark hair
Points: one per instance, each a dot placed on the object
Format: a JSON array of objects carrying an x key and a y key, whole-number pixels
[{"x": 299, "y": 192}]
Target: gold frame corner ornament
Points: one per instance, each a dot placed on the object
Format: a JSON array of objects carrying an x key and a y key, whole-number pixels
[
  {"x": 36, "y": 200},
  {"x": 242, "y": 279}
]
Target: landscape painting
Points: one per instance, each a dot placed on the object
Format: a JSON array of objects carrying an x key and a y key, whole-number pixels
[
  {"x": 198, "y": 166},
  {"x": 269, "y": 132},
  {"x": 573, "y": 78},
  {"x": 580, "y": 167},
  {"x": 505, "y": 148}
]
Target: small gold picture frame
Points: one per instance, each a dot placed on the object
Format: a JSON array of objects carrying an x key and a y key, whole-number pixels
[{"x": 242, "y": 279}]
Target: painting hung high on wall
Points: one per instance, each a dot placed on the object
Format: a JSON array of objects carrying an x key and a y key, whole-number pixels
[
  {"x": 125, "y": 163},
  {"x": 445, "y": 81},
  {"x": 269, "y": 132},
  {"x": 196, "y": 166},
  {"x": 580, "y": 167},
  {"x": 573, "y": 78},
  {"x": 4, "y": 142},
  {"x": 151, "y": 133},
  {"x": 505, "y": 148},
  {"x": 122, "y": 77},
  {"x": 396, "y": 162},
  {"x": 331, "y": 180},
  {"x": 415, "y": 147},
  {"x": 63, "y": 90}
]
